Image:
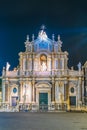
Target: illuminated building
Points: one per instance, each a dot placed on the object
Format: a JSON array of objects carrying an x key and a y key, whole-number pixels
[{"x": 42, "y": 79}]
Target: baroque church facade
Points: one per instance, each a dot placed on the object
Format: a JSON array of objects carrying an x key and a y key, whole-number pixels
[{"x": 42, "y": 79}]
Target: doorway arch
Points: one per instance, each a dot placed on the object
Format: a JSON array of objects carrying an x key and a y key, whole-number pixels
[{"x": 43, "y": 90}]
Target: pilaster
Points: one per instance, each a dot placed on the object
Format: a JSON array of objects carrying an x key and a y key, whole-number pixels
[
  {"x": 33, "y": 91},
  {"x": 3, "y": 91},
  {"x": 21, "y": 91},
  {"x": 65, "y": 91},
  {"x": 33, "y": 63},
  {"x": 52, "y": 63},
  {"x": 53, "y": 90},
  {"x": 79, "y": 89}
]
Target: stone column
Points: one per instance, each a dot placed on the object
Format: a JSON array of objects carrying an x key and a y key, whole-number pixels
[
  {"x": 52, "y": 64},
  {"x": 56, "y": 92},
  {"x": 9, "y": 93},
  {"x": 21, "y": 91},
  {"x": 32, "y": 63},
  {"x": 53, "y": 91},
  {"x": 33, "y": 91},
  {"x": 21, "y": 63},
  {"x": 24, "y": 60},
  {"x": 79, "y": 89},
  {"x": 6, "y": 92},
  {"x": 3, "y": 91},
  {"x": 27, "y": 65},
  {"x": 65, "y": 91},
  {"x": 63, "y": 63}
]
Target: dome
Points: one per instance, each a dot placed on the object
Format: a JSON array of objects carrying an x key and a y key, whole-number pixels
[{"x": 42, "y": 42}]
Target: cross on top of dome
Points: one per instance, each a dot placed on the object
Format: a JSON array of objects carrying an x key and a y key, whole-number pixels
[{"x": 43, "y": 27}]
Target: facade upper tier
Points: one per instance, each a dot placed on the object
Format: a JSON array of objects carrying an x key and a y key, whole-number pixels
[{"x": 43, "y": 43}]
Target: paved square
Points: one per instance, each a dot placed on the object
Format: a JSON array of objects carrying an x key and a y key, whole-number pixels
[{"x": 43, "y": 121}]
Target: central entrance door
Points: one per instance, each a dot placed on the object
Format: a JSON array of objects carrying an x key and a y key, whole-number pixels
[
  {"x": 43, "y": 101},
  {"x": 14, "y": 101}
]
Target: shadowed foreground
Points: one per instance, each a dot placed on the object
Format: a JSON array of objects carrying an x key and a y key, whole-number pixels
[{"x": 43, "y": 121}]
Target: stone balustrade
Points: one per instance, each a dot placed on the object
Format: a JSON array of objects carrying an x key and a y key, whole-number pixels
[
  {"x": 11, "y": 73},
  {"x": 44, "y": 73}
]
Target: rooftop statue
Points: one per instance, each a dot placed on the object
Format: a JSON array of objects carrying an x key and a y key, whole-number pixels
[
  {"x": 7, "y": 66},
  {"x": 79, "y": 66}
]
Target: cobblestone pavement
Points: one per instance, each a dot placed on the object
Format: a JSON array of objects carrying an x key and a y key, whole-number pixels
[{"x": 43, "y": 121}]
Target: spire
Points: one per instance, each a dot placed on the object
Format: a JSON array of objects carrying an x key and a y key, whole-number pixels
[
  {"x": 53, "y": 37},
  {"x": 32, "y": 37},
  {"x": 58, "y": 37},
  {"x": 27, "y": 43},
  {"x": 27, "y": 39},
  {"x": 59, "y": 43},
  {"x": 43, "y": 27}
]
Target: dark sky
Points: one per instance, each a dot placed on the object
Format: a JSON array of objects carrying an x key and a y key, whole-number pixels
[{"x": 21, "y": 17}]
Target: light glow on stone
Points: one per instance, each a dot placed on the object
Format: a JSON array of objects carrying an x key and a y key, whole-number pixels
[{"x": 42, "y": 35}]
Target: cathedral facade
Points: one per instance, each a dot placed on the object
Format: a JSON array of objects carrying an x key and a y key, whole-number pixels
[{"x": 42, "y": 79}]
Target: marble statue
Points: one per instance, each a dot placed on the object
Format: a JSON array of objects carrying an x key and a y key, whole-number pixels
[
  {"x": 7, "y": 66},
  {"x": 43, "y": 66}
]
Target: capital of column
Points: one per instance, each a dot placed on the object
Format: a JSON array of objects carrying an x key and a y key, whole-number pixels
[
  {"x": 65, "y": 82},
  {"x": 53, "y": 83},
  {"x": 21, "y": 82},
  {"x": 33, "y": 82},
  {"x": 79, "y": 78}
]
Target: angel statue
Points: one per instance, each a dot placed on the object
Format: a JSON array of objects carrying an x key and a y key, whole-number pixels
[{"x": 7, "y": 66}]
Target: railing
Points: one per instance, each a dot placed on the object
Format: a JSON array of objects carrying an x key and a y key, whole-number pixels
[
  {"x": 5, "y": 107},
  {"x": 32, "y": 107},
  {"x": 44, "y": 73},
  {"x": 11, "y": 73},
  {"x": 75, "y": 73}
]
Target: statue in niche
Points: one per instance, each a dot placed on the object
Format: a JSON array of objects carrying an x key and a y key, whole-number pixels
[{"x": 43, "y": 66}]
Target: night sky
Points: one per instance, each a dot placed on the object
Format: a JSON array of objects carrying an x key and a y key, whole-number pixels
[{"x": 21, "y": 17}]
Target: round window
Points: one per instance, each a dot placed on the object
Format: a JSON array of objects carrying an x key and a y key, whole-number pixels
[
  {"x": 72, "y": 90},
  {"x": 14, "y": 90}
]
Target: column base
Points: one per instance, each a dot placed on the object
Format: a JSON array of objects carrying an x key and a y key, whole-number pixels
[
  {"x": 34, "y": 106},
  {"x": 52, "y": 106}
]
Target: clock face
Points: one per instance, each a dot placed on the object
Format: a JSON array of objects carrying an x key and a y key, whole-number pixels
[{"x": 14, "y": 90}]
